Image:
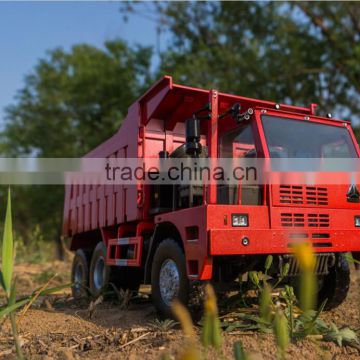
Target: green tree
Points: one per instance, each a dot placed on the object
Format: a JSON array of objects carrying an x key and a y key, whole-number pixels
[
  {"x": 293, "y": 52},
  {"x": 70, "y": 103},
  {"x": 75, "y": 100}
]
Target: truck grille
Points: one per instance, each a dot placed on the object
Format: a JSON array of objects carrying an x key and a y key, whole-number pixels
[
  {"x": 304, "y": 220},
  {"x": 303, "y": 195}
]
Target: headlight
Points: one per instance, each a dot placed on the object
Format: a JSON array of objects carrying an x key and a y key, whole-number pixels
[
  {"x": 242, "y": 220},
  {"x": 357, "y": 221}
]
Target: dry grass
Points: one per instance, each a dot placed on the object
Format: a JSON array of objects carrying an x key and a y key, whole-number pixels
[{"x": 56, "y": 325}]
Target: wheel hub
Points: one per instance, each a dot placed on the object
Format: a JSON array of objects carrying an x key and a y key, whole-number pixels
[
  {"x": 169, "y": 281},
  {"x": 99, "y": 273}
]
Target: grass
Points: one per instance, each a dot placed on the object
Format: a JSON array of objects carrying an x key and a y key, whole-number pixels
[
  {"x": 162, "y": 326},
  {"x": 36, "y": 249},
  {"x": 45, "y": 276},
  {"x": 8, "y": 282},
  {"x": 279, "y": 313}
]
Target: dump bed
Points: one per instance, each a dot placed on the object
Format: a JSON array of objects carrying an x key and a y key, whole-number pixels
[{"x": 92, "y": 207}]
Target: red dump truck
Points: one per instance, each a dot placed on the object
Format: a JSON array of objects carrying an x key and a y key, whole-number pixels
[{"x": 135, "y": 234}]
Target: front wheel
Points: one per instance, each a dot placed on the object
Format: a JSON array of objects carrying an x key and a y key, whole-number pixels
[
  {"x": 168, "y": 277},
  {"x": 335, "y": 285}
]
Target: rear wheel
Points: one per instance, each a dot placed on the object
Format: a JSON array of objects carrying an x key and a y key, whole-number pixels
[
  {"x": 80, "y": 273},
  {"x": 168, "y": 277},
  {"x": 335, "y": 285},
  {"x": 99, "y": 274}
]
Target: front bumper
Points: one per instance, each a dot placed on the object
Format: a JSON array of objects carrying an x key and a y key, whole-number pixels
[
  {"x": 328, "y": 230},
  {"x": 229, "y": 242}
]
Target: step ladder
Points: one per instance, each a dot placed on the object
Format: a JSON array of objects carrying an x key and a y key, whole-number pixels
[
  {"x": 124, "y": 251},
  {"x": 127, "y": 251}
]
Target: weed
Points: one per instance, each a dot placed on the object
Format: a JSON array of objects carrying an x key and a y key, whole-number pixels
[
  {"x": 306, "y": 259},
  {"x": 35, "y": 249},
  {"x": 93, "y": 305},
  {"x": 341, "y": 336},
  {"x": 190, "y": 350},
  {"x": 9, "y": 284},
  {"x": 211, "y": 329},
  {"x": 162, "y": 326},
  {"x": 281, "y": 332},
  {"x": 124, "y": 297},
  {"x": 280, "y": 313},
  {"x": 239, "y": 353},
  {"x": 45, "y": 276}
]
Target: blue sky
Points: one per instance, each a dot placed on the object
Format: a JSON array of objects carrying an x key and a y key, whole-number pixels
[{"x": 28, "y": 29}]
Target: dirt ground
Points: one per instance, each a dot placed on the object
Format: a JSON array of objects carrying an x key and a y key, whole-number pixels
[{"x": 58, "y": 327}]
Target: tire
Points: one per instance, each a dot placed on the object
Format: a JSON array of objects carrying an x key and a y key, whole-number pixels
[
  {"x": 336, "y": 284},
  {"x": 80, "y": 273},
  {"x": 168, "y": 277},
  {"x": 99, "y": 275}
]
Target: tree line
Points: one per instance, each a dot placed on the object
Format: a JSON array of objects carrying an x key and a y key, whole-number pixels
[{"x": 291, "y": 52}]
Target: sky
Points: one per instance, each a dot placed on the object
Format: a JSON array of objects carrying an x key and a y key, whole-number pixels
[{"x": 29, "y": 29}]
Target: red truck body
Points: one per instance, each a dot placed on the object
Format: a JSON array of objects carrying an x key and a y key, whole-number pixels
[{"x": 120, "y": 215}]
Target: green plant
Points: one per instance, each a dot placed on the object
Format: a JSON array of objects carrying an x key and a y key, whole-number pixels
[
  {"x": 162, "y": 325},
  {"x": 239, "y": 353},
  {"x": 288, "y": 318},
  {"x": 190, "y": 350},
  {"x": 278, "y": 312},
  {"x": 45, "y": 276},
  {"x": 281, "y": 332},
  {"x": 6, "y": 273},
  {"x": 341, "y": 336},
  {"x": 306, "y": 258},
  {"x": 211, "y": 327},
  {"x": 36, "y": 249},
  {"x": 8, "y": 283}
]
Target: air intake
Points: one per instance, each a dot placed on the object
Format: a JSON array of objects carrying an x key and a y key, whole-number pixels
[{"x": 303, "y": 195}]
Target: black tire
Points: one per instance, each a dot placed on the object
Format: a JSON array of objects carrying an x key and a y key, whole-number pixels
[
  {"x": 169, "y": 254},
  {"x": 336, "y": 284},
  {"x": 80, "y": 273},
  {"x": 99, "y": 274}
]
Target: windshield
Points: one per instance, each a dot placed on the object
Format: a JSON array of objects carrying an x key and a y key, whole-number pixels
[{"x": 288, "y": 138}]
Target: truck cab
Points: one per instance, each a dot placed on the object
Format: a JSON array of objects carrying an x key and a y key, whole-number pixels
[{"x": 238, "y": 225}]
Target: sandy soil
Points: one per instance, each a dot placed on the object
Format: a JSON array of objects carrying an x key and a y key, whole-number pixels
[{"x": 60, "y": 328}]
